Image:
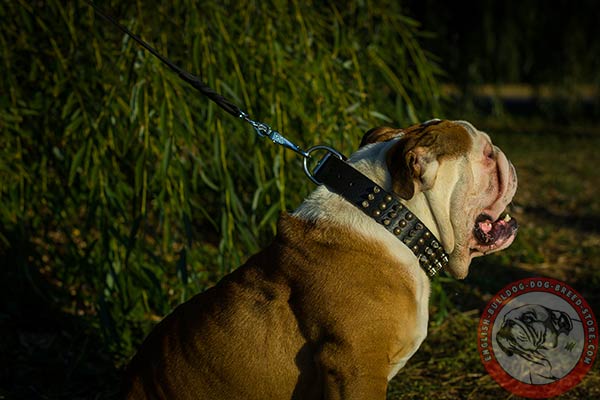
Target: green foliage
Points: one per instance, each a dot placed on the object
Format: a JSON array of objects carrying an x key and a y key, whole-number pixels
[{"x": 130, "y": 190}]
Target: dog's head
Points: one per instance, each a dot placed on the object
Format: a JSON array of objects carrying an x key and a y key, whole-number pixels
[
  {"x": 532, "y": 327},
  {"x": 464, "y": 179}
]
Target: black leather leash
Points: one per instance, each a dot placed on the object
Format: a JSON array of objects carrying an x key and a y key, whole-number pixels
[
  {"x": 262, "y": 129},
  {"x": 332, "y": 171}
]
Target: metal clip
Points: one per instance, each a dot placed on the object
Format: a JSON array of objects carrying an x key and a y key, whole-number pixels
[{"x": 263, "y": 130}]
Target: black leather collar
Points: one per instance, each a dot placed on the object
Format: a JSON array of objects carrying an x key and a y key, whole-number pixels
[{"x": 385, "y": 208}]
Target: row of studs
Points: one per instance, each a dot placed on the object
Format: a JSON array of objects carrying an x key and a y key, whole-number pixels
[
  {"x": 384, "y": 206},
  {"x": 393, "y": 214},
  {"x": 435, "y": 262},
  {"x": 433, "y": 257},
  {"x": 402, "y": 224}
]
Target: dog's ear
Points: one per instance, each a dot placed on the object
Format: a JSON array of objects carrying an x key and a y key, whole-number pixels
[
  {"x": 381, "y": 134},
  {"x": 562, "y": 322},
  {"x": 411, "y": 168},
  {"x": 414, "y": 160}
]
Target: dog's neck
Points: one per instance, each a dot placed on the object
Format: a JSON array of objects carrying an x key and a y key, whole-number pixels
[
  {"x": 323, "y": 206},
  {"x": 371, "y": 161}
]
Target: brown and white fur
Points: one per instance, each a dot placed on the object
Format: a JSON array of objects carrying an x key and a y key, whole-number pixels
[{"x": 336, "y": 305}]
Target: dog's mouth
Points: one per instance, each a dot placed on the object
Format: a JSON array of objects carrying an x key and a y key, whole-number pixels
[{"x": 491, "y": 235}]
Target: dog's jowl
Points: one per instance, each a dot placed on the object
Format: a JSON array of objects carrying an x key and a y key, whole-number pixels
[{"x": 335, "y": 306}]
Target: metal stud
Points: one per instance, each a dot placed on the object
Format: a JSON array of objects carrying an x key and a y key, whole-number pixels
[
  {"x": 383, "y": 206},
  {"x": 427, "y": 235},
  {"x": 428, "y": 251},
  {"x": 388, "y": 198},
  {"x": 365, "y": 204},
  {"x": 415, "y": 248},
  {"x": 386, "y": 221},
  {"x": 376, "y": 189},
  {"x": 402, "y": 224},
  {"x": 435, "y": 245},
  {"x": 371, "y": 196},
  {"x": 393, "y": 214},
  {"x": 397, "y": 231},
  {"x": 421, "y": 241},
  {"x": 376, "y": 213},
  {"x": 419, "y": 226},
  {"x": 409, "y": 216}
]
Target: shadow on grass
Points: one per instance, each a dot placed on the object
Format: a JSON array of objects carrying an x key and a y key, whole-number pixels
[{"x": 46, "y": 353}]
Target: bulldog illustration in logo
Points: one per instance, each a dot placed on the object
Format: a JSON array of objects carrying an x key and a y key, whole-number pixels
[{"x": 539, "y": 342}]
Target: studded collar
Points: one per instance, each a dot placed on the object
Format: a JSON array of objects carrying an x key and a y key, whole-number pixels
[{"x": 385, "y": 208}]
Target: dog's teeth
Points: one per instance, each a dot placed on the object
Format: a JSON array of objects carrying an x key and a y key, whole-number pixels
[{"x": 507, "y": 218}]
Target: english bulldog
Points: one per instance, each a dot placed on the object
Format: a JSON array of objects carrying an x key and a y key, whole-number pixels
[
  {"x": 541, "y": 340},
  {"x": 335, "y": 306}
]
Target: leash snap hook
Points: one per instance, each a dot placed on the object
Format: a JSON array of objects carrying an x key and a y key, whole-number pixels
[
  {"x": 260, "y": 128},
  {"x": 264, "y": 130}
]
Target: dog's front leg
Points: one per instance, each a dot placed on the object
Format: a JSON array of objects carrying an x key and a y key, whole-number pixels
[{"x": 347, "y": 375}]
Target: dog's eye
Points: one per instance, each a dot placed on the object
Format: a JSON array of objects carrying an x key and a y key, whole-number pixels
[{"x": 527, "y": 318}]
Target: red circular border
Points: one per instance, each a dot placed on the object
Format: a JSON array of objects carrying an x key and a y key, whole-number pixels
[{"x": 515, "y": 386}]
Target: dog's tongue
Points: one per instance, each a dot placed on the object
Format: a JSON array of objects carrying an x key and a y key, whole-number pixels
[{"x": 488, "y": 232}]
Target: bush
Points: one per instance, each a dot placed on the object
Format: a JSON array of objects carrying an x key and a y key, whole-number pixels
[{"x": 127, "y": 191}]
